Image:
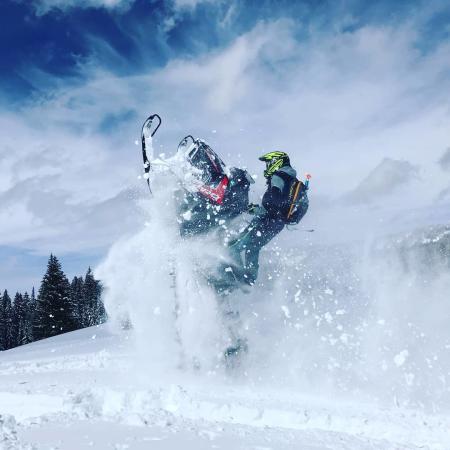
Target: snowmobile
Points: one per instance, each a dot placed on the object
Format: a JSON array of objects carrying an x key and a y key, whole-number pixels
[{"x": 211, "y": 196}]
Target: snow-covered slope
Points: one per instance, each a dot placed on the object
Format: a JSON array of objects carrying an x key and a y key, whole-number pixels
[
  {"x": 84, "y": 390},
  {"x": 348, "y": 348}
]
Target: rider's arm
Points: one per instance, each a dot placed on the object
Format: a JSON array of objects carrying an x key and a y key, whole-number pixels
[{"x": 273, "y": 198}]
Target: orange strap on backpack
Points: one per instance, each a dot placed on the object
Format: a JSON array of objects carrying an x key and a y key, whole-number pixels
[
  {"x": 296, "y": 192},
  {"x": 294, "y": 198}
]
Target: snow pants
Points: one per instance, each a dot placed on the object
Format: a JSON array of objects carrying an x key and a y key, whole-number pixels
[{"x": 245, "y": 249}]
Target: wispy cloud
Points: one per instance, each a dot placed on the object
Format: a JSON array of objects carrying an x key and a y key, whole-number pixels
[
  {"x": 45, "y": 6},
  {"x": 190, "y": 4},
  {"x": 338, "y": 102}
]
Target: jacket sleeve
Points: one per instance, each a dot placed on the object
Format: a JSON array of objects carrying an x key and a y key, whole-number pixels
[
  {"x": 272, "y": 201},
  {"x": 273, "y": 197}
]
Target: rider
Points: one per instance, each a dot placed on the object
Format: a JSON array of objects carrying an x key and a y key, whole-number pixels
[{"x": 271, "y": 217}]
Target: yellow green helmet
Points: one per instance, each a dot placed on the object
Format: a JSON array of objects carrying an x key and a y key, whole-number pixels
[{"x": 274, "y": 161}]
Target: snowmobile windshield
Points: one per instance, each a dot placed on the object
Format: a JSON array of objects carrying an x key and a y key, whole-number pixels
[{"x": 205, "y": 159}]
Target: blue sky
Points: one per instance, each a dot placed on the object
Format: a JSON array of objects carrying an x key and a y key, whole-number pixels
[
  {"x": 56, "y": 36},
  {"x": 345, "y": 87}
]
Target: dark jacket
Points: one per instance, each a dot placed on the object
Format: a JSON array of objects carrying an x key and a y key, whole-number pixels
[{"x": 275, "y": 199}]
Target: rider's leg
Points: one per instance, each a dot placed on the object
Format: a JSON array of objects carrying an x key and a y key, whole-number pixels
[{"x": 260, "y": 231}]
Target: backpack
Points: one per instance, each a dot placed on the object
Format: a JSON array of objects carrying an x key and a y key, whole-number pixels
[{"x": 296, "y": 203}]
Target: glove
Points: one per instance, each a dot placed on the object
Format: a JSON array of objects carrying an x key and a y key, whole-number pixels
[{"x": 252, "y": 208}]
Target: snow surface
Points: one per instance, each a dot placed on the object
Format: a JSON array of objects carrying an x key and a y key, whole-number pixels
[{"x": 84, "y": 390}]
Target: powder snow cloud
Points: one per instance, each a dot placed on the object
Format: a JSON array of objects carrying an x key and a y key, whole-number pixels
[
  {"x": 444, "y": 160},
  {"x": 382, "y": 181}
]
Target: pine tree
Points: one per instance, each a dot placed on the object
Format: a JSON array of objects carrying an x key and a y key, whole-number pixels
[
  {"x": 20, "y": 320},
  {"x": 2, "y": 325},
  {"x": 53, "y": 314},
  {"x": 77, "y": 300},
  {"x": 5, "y": 321},
  {"x": 31, "y": 313},
  {"x": 93, "y": 310},
  {"x": 29, "y": 309},
  {"x": 17, "y": 317}
]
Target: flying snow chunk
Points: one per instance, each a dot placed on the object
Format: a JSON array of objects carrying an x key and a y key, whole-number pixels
[
  {"x": 187, "y": 215},
  {"x": 328, "y": 317},
  {"x": 400, "y": 359},
  {"x": 409, "y": 378},
  {"x": 286, "y": 311}
]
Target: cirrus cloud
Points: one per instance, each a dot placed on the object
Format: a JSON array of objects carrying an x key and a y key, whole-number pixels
[
  {"x": 338, "y": 103},
  {"x": 45, "y": 6}
]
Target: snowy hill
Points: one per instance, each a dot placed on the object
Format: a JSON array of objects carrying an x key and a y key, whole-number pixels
[
  {"x": 348, "y": 348},
  {"x": 82, "y": 390}
]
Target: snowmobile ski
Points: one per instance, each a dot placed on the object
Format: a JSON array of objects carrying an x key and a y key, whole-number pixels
[{"x": 146, "y": 129}]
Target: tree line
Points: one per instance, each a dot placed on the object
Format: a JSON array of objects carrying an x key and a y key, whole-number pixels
[{"x": 60, "y": 306}]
